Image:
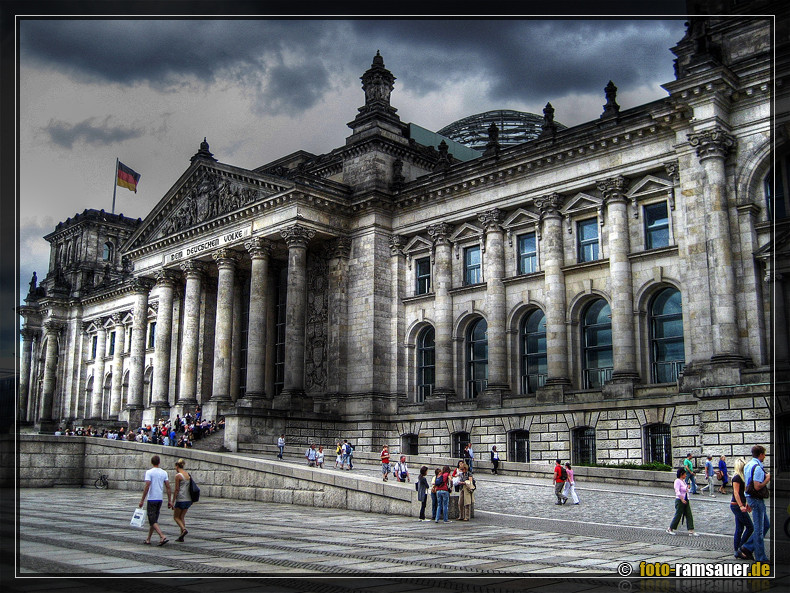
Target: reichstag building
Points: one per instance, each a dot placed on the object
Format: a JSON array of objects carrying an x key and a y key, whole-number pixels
[{"x": 599, "y": 293}]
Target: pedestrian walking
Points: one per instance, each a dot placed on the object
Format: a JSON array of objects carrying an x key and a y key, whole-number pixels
[
  {"x": 569, "y": 491},
  {"x": 682, "y": 506},
  {"x": 443, "y": 493},
  {"x": 182, "y": 497},
  {"x": 155, "y": 481},
  {"x": 345, "y": 452},
  {"x": 721, "y": 474},
  {"x": 311, "y": 455},
  {"x": 559, "y": 478},
  {"x": 319, "y": 457},
  {"x": 350, "y": 455},
  {"x": 281, "y": 445},
  {"x": 710, "y": 474},
  {"x": 756, "y": 479},
  {"x": 339, "y": 453},
  {"x": 385, "y": 462},
  {"x": 494, "y": 459},
  {"x": 741, "y": 509},
  {"x": 422, "y": 490},
  {"x": 688, "y": 465}
]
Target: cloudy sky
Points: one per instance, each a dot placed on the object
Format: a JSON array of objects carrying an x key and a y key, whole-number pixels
[{"x": 148, "y": 91}]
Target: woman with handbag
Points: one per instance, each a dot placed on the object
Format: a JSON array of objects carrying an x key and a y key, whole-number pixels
[
  {"x": 182, "y": 497},
  {"x": 468, "y": 493},
  {"x": 721, "y": 474},
  {"x": 741, "y": 509}
]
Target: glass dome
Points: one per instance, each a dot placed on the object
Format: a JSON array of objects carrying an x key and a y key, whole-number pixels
[{"x": 515, "y": 127}]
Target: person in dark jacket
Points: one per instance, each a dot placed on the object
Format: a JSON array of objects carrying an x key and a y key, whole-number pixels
[
  {"x": 422, "y": 490},
  {"x": 494, "y": 460}
]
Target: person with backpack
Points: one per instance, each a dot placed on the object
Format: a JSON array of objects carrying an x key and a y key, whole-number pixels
[
  {"x": 756, "y": 480},
  {"x": 345, "y": 452},
  {"x": 183, "y": 498},
  {"x": 401, "y": 472},
  {"x": 311, "y": 455},
  {"x": 442, "y": 493},
  {"x": 560, "y": 475}
]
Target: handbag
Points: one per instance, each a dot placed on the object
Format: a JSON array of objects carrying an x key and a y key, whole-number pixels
[
  {"x": 137, "y": 518},
  {"x": 719, "y": 475},
  {"x": 756, "y": 492}
]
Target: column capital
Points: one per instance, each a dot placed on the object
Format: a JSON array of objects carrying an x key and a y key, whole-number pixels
[
  {"x": 117, "y": 319},
  {"x": 612, "y": 189},
  {"x": 193, "y": 269},
  {"x": 258, "y": 247},
  {"x": 225, "y": 258},
  {"x": 492, "y": 219},
  {"x": 142, "y": 284},
  {"x": 715, "y": 143},
  {"x": 673, "y": 170},
  {"x": 341, "y": 248},
  {"x": 297, "y": 235},
  {"x": 396, "y": 245},
  {"x": 440, "y": 233},
  {"x": 167, "y": 277},
  {"x": 549, "y": 204},
  {"x": 54, "y": 326},
  {"x": 27, "y": 333}
]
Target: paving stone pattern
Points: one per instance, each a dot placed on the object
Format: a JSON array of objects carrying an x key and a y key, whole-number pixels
[{"x": 516, "y": 532}]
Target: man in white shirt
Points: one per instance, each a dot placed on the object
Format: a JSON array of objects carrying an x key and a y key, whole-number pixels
[{"x": 155, "y": 480}]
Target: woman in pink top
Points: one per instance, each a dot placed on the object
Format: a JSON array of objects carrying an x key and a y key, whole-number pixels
[
  {"x": 682, "y": 506},
  {"x": 570, "y": 485}
]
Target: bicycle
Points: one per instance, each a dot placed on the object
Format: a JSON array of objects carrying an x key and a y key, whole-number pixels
[{"x": 102, "y": 483}]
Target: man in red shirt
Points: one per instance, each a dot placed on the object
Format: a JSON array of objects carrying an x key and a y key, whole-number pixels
[
  {"x": 385, "y": 462},
  {"x": 559, "y": 482}
]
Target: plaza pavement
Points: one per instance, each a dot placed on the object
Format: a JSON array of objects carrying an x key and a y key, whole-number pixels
[{"x": 517, "y": 536}]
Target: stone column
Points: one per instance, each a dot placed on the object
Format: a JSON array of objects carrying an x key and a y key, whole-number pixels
[
  {"x": 778, "y": 332},
  {"x": 98, "y": 371},
  {"x": 712, "y": 148},
  {"x": 260, "y": 250},
  {"x": 552, "y": 260},
  {"x": 235, "y": 350},
  {"x": 337, "y": 322},
  {"x": 443, "y": 311},
  {"x": 297, "y": 237},
  {"x": 45, "y": 421},
  {"x": 117, "y": 366},
  {"x": 223, "y": 328},
  {"x": 620, "y": 280},
  {"x": 397, "y": 321},
  {"x": 496, "y": 307},
  {"x": 142, "y": 287},
  {"x": 187, "y": 380},
  {"x": 165, "y": 282},
  {"x": 24, "y": 373}
]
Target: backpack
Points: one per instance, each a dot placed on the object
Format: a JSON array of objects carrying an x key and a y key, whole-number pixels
[
  {"x": 194, "y": 491},
  {"x": 563, "y": 475},
  {"x": 439, "y": 481}
]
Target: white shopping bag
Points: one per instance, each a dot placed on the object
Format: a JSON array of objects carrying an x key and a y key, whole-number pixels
[{"x": 137, "y": 518}]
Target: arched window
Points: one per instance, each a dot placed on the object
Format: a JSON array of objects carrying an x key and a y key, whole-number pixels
[
  {"x": 658, "y": 444},
  {"x": 533, "y": 352},
  {"x": 597, "y": 344},
  {"x": 107, "y": 251},
  {"x": 410, "y": 444},
  {"x": 148, "y": 384},
  {"x": 518, "y": 446},
  {"x": 667, "y": 352},
  {"x": 83, "y": 411},
  {"x": 776, "y": 196},
  {"x": 460, "y": 440},
  {"x": 583, "y": 445},
  {"x": 477, "y": 358},
  {"x": 426, "y": 363}
]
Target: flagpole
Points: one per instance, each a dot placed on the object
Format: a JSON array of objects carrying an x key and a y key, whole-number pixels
[{"x": 114, "y": 185}]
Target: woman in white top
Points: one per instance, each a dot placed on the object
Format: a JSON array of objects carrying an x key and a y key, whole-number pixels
[
  {"x": 570, "y": 485},
  {"x": 182, "y": 497}
]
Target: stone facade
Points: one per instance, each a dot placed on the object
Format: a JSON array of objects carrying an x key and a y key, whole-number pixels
[{"x": 601, "y": 293}]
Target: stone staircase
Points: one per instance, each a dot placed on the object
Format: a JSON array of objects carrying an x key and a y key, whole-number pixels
[{"x": 213, "y": 442}]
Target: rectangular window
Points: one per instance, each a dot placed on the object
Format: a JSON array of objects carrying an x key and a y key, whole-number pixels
[
  {"x": 423, "y": 275},
  {"x": 587, "y": 236},
  {"x": 472, "y": 267},
  {"x": 112, "y": 343},
  {"x": 129, "y": 340},
  {"x": 151, "y": 334},
  {"x": 527, "y": 254},
  {"x": 656, "y": 225},
  {"x": 93, "y": 347}
]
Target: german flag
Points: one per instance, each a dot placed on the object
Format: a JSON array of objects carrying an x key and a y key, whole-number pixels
[{"x": 127, "y": 177}]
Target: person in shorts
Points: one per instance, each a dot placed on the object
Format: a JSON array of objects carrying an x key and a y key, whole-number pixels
[
  {"x": 385, "y": 462},
  {"x": 155, "y": 482},
  {"x": 182, "y": 497}
]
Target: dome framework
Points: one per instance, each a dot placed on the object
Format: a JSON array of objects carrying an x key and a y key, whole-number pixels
[{"x": 514, "y": 127}]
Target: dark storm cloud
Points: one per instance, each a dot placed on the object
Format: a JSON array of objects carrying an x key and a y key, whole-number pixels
[
  {"x": 289, "y": 65},
  {"x": 99, "y": 134}
]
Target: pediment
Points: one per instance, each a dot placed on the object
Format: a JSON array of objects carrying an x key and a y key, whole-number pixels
[
  {"x": 466, "y": 231},
  {"x": 204, "y": 192},
  {"x": 128, "y": 318},
  {"x": 648, "y": 186},
  {"x": 521, "y": 217},
  {"x": 93, "y": 326},
  {"x": 778, "y": 248},
  {"x": 109, "y": 324},
  {"x": 417, "y": 243},
  {"x": 581, "y": 201}
]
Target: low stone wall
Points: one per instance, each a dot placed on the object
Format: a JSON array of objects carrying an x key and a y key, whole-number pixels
[{"x": 48, "y": 461}]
